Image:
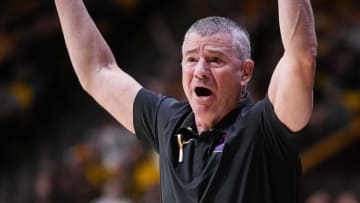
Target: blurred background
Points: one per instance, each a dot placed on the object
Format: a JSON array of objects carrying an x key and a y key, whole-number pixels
[{"x": 57, "y": 145}]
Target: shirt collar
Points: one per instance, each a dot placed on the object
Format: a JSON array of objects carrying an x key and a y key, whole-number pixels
[{"x": 188, "y": 125}]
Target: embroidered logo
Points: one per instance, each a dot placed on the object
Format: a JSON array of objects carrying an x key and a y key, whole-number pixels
[{"x": 219, "y": 148}]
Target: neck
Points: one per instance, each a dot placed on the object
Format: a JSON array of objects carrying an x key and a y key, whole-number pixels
[
  {"x": 202, "y": 126},
  {"x": 204, "y": 123}
]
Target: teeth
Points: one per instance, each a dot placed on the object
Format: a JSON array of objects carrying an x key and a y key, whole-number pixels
[{"x": 202, "y": 92}]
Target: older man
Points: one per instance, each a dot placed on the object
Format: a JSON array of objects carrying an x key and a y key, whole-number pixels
[{"x": 218, "y": 146}]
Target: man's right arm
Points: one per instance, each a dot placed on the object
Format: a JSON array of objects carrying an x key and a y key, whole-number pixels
[{"x": 95, "y": 64}]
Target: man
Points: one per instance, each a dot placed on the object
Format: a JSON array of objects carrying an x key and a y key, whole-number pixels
[{"x": 218, "y": 146}]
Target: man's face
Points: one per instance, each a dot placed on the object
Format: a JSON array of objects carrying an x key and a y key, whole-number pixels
[{"x": 213, "y": 77}]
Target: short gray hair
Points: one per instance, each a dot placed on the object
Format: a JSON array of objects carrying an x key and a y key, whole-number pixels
[{"x": 214, "y": 24}]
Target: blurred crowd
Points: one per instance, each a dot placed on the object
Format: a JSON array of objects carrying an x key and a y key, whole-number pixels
[{"x": 58, "y": 145}]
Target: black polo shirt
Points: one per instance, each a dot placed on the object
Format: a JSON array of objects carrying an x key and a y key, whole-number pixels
[{"x": 249, "y": 157}]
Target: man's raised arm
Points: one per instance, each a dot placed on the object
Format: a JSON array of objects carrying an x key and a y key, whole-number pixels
[
  {"x": 95, "y": 64},
  {"x": 291, "y": 86}
]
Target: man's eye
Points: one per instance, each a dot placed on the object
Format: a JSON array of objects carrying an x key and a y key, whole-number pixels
[
  {"x": 215, "y": 60},
  {"x": 191, "y": 59}
]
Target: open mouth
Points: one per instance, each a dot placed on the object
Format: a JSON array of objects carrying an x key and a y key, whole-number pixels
[{"x": 202, "y": 92}]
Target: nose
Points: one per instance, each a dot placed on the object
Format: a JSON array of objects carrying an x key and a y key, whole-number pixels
[{"x": 202, "y": 69}]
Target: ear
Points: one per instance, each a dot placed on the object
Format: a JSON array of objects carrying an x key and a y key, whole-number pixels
[{"x": 247, "y": 71}]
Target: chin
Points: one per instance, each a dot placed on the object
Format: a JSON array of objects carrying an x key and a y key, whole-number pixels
[{"x": 203, "y": 111}]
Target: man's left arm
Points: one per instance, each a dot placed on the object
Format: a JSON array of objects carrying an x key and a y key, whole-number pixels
[{"x": 291, "y": 86}]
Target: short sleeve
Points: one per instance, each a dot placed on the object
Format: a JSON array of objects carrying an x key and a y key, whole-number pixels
[
  {"x": 151, "y": 112},
  {"x": 280, "y": 141}
]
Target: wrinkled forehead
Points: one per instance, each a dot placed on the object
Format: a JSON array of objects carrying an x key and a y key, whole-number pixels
[{"x": 219, "y": 41}]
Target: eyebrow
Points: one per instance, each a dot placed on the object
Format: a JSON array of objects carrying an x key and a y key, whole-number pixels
[
  {"x": 212, "y": 51},
  {"x": 191, "y": 51}
]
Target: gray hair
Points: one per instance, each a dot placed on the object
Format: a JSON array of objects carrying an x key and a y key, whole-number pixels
[{"x": 214, "y": 24}]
